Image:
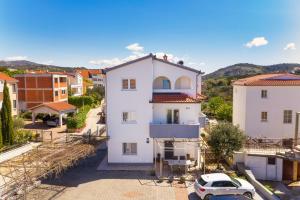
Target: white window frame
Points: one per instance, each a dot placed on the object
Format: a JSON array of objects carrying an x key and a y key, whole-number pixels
[
  {"x": 63, "y": 91},
  {"x": 128, "y": 84},
  {"x": 129, "y": 146},
  {"x": 55, "y": 93},
  {"x": 14, "y": 88},
  {"x": 14, "y": 104},
  {"x": 131, "y": 115}
]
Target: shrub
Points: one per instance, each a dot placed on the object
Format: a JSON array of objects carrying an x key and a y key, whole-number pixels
[
  {"x": 26, "y": 115},
  {"x": 78, "y": 120},
  {"x": 22, "y": 136},
  {"x": 81, "y": 101},
  {"x": 18, "y": 123}
]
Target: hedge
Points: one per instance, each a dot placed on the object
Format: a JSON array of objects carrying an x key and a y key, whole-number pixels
[
  {"x": 78, "y": 120},
  {"x": 81, "y": 101}
]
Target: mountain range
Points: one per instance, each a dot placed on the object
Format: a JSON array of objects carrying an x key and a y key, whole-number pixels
[
  {"x": 247, "y": 69},
  {"x": 25, "y": 64},
  {"x": 236, "y": 70}
]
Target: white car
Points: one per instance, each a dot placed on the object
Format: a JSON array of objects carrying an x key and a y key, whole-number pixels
[{"x": 215, "y": 184}]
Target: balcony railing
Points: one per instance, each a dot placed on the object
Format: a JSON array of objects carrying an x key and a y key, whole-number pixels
[{"x": 158, "y": 130}]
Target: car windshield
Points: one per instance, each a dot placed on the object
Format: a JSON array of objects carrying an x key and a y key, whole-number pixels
[
  {"x": 201, "y": 181},
  {"x": 236, "y": 182}
]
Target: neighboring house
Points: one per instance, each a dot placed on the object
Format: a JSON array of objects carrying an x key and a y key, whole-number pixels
[
  {"x": 38, "y": 88},
  {"x": 265, "y": 107},
  {"x": 13, "y": 91},
  {"x": 96, "y": 76},
  {"x": 153, "y": 109},
  {"x": 75, "y": 82}
]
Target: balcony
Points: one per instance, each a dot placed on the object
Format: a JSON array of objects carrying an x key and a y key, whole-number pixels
[{"x": 174, "y": 130}]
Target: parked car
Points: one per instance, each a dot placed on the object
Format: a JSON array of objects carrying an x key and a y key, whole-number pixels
[
  {"x": 229, "y": 197},
  {"x": 54, "y": 121},
  {"x": 215, "y": 184}
]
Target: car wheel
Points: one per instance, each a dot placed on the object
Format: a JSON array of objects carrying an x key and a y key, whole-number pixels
[
  {"x": 248, "y": 195},
  {"x": 208, "y": 196}
]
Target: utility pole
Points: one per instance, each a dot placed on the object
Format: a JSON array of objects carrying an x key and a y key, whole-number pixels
[{"x": 296, "y": 129}]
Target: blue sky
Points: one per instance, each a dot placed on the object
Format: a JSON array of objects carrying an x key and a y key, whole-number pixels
[{"x": 206, "y": 34}]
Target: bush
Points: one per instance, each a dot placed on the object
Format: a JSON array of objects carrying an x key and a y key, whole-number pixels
[
  {"x": 18, "y": 123},
  {"x": 81, "y": 101},
  {"x": 22, "y": 136},
  {"x": 26, "y": 115},
  {"x": 78, "y": 120}
]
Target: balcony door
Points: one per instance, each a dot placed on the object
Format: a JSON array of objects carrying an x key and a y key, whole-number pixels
[{"x": 173, "y": 116}]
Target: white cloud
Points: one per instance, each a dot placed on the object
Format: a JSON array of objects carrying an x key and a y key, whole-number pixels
[
  {"x": 48, "y": 62},
  {"x": 16, "y": 58},
  {"x": 137, "y": 51},
  {"x": 290, "y": 46},
  {"x": 135, "y": 47},
  {"x": 256, "y": 42}
]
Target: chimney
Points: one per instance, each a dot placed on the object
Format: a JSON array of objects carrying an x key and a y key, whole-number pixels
[
  {"x": 165, "y": 57},
  {"x": 180, "y": 62}
]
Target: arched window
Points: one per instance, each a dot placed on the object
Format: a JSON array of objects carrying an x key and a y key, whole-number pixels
[
  {"x": 161, "y": 82},
  {"x": 183, "y": 82}
]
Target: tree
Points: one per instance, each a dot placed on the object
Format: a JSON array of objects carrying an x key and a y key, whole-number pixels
[
  {"x": 6, "y": 118},
  {"x": 224, "y": 112},
  {"x": 224, "y": 139},
  {"x": 214, "y": 103}
]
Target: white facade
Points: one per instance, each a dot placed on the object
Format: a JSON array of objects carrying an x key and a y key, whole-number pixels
[
  {"x": 141, "y": 111},
  {"x": 261, "y": 165},
  {"x": 98, "y": 79},
  {"x": 13, "y": 93},
  {"x": 76, "y": 84},
  {"x": 248, "y": 106}
]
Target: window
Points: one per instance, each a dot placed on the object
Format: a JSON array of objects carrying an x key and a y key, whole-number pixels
[
  {"x": 264, "y": 94},
  {"x": 264, "y": 116},
  {"x": 55, "y": 80},
  {"x": 129, "y": 148},
  {"x": 63, "y": 91},
  {"x": 56, "y": 93},
  {"x": 271, "y": 161},
  {"x": 14, "y": 88},
  {"x": 128, "y": 117},
  {"x": 14, "y": 104},
  {"x": 62, "y": 79},
  {"x": 287, "y": 116},
  {"x": 132, "y": 84},
  {"x": 166, "y": 84},
  {"x": 128, "y": 84},
  {"x": 172, "y": 116}
]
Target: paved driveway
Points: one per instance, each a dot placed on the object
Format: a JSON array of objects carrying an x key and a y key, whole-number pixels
[{"x": 84, "y": 182}]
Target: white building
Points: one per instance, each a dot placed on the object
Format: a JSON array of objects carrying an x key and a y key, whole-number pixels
[
  {"x": 97, "y": 77},
  {"x": 13, "y": 92},
  {"x": 266, "y": 105},
  {"x": 75, "y": 82},
  {"x": 153, "y": 108}
]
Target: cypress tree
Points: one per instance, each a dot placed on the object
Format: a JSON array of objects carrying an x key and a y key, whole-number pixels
[{"x": 6, "y": 118}]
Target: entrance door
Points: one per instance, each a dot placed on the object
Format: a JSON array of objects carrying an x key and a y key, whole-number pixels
[
  {"x": 287, "y": 170},
  {"x": 169, "y": 151}
]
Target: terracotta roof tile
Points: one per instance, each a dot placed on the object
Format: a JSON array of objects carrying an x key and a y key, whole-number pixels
[
  {"x": 7, "y": 78},
  {"x": 174, "y": 98},
  {"x": 57, "y": 106},
  {"x": 283, "y": 79}
]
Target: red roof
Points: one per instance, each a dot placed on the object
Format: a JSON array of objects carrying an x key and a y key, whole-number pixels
[
  {"x": 174, "y": 98},
  {"x": 7, "y": 78},
  {"x": 85, "y": 73},
  {"x": 283, "y": 79},
  {"x": 57, "y": 106}
]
